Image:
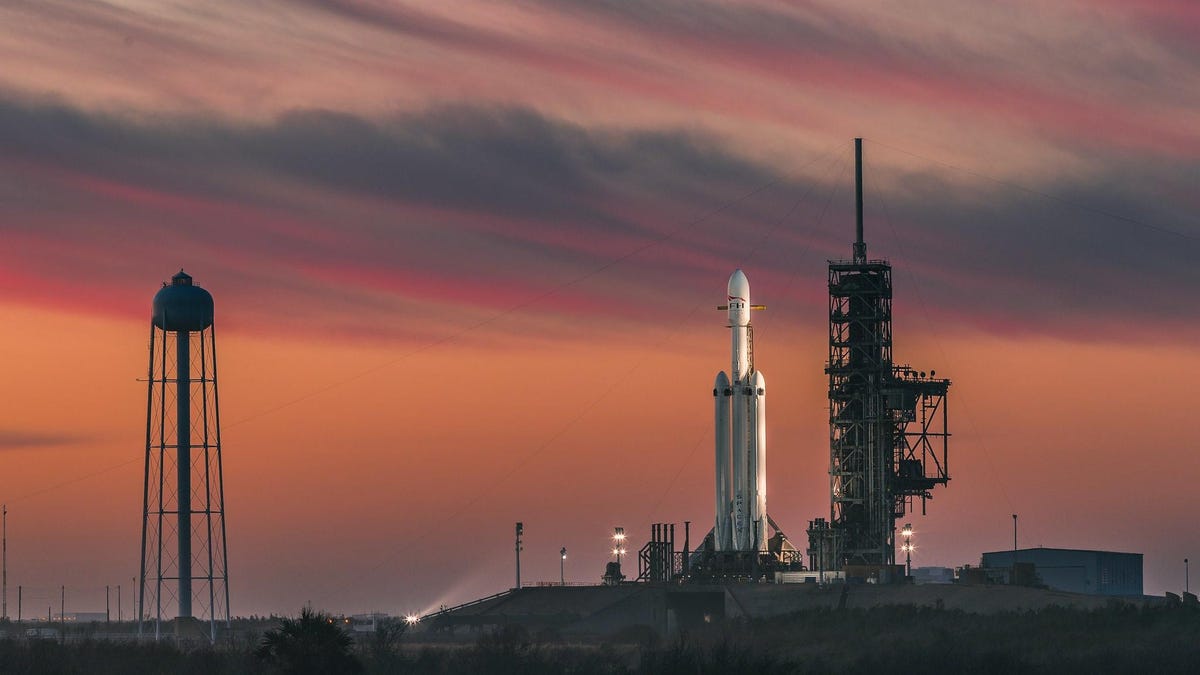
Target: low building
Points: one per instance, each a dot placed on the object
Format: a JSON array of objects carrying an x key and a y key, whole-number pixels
[
  {"x": 932, "y": 575},
  {"x": 1076, "y": 571},
  {"x": 82, "y": 617}
]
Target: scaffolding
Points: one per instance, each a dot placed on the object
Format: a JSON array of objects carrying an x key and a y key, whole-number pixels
[{"x": 888, "y": 432}]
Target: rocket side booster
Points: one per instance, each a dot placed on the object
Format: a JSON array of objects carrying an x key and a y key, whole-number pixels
[
  {"x": 740, "y": 405},
  {"x": 722, "y": 534},
  {"x": 757, "y": 454}
]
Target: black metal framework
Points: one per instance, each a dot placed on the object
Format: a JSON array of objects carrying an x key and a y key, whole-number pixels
[
  {"x": 888, "y": 432},
  {"x": 920, "y": 436},
  {"x": 658, "y": 560},
  {"x": 183, "y": 559},
  {"x": 860, "y": 354}
]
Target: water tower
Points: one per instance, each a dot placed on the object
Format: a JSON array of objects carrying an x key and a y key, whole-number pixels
[{"x": 183, "y": 564}]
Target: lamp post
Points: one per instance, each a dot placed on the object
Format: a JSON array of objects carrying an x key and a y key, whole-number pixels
[
  {"x": 618, "y": 543},
  {"x": 4, "y": 610},
  {"x": 1014, "y": 558},
  {"x": 4, "y": 607},
  {"x": 1186, "y": 585},
  {"x": 520, "y": 531},
  {"x": 907, "y": 548},
  {"x": 562, "y": 566}
]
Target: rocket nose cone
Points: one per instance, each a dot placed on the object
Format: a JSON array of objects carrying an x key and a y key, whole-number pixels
[{"x": 739, "y": 286}]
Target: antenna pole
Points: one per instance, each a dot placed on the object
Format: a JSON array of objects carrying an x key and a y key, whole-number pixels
[
  {"x": 520, "y": 531},
  {"x": 860, "y": 248},
  {"x": 4, "y": 608}
]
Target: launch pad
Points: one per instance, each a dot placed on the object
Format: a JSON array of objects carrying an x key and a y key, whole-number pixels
[
  {"x": 661, "y": 561},
  {"x": 888, "y": 438},
  {"x": 601, "y": 612}
]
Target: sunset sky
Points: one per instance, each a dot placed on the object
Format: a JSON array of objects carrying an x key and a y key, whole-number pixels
[{"x": 465, "y": 258}]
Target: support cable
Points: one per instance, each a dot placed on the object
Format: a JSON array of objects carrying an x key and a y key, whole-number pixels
[
  {"x": 443, "y": 340},
  {"x": 1046, "y": 195},
  {"x": 898, "y": 240},
  {"x": 838, "y": 162},
  {"x": 484, "y": 492}
]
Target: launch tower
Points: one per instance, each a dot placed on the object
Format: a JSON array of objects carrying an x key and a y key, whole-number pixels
[
  {"x": 183, "y": 561},
  {"x": 887, "y": 423}
]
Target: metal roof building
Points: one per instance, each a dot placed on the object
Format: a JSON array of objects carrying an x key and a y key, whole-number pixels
[{"x": 1077, "y": 571}]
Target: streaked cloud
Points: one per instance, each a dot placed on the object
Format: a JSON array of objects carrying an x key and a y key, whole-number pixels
[
  {"x": 466, "y": 210},
  {"x": 15, "y": 439}
]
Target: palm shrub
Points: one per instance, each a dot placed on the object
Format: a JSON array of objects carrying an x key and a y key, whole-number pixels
[{"x": 312, "y": 643}]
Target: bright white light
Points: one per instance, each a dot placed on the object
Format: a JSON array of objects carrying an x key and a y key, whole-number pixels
[
  {"x": 412, "y": 619},
  {"x": 907, "y": 532}
]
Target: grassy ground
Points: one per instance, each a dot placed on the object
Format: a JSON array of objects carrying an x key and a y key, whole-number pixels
[{"x": 1116, "y": 638}]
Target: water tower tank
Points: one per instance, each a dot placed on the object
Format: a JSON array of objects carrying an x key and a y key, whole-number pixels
[{"x": 181, "y": 306}]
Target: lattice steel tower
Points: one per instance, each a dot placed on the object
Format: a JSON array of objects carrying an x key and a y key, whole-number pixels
[
  {"x": 183, "y": 562},
  {"x": 887, "y": 423}
]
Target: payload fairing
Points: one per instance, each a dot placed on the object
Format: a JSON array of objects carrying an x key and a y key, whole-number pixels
[{"x": 741, "y": 434}]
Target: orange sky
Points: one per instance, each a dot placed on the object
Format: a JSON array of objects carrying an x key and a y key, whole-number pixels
[
  {"x": 464, "y": 264},
  {"x": 397, "y": 490}
]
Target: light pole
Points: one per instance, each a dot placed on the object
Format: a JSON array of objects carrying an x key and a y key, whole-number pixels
[
  {"x": 520, "y": 531},
  {"x": 1014, "y": 558},
  {"x": 562, "y": 566},
  {"x": 907, "y": 548},
  {"x": 4, "y": 609},
  {"x": 618, "y": 543},
  {"x": 1186, "y": 585}
]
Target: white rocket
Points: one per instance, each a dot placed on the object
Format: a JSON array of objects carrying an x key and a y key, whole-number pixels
[{"x": 741, "y": 433}]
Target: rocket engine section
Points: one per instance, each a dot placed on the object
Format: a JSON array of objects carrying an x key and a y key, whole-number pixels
[{"x": 741, "y": 434}]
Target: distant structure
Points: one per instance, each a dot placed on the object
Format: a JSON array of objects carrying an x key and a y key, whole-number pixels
[
  {"x": 183, "y": 559},
  {"x": 1063, "y": 569},
  {"x": 933, "y": 575},
  {"x": 887, "y": 422}
]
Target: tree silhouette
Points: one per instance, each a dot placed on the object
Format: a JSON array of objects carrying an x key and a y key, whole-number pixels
[
  {"x": 312, "y": 643},
  {"x": 385, "y": 640}
]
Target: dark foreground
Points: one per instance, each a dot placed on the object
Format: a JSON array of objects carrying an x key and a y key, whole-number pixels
[{"x": 1116, "y": 638}]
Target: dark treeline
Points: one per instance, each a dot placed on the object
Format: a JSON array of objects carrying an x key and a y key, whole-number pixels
[{"x": 1119, "y": 638}]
